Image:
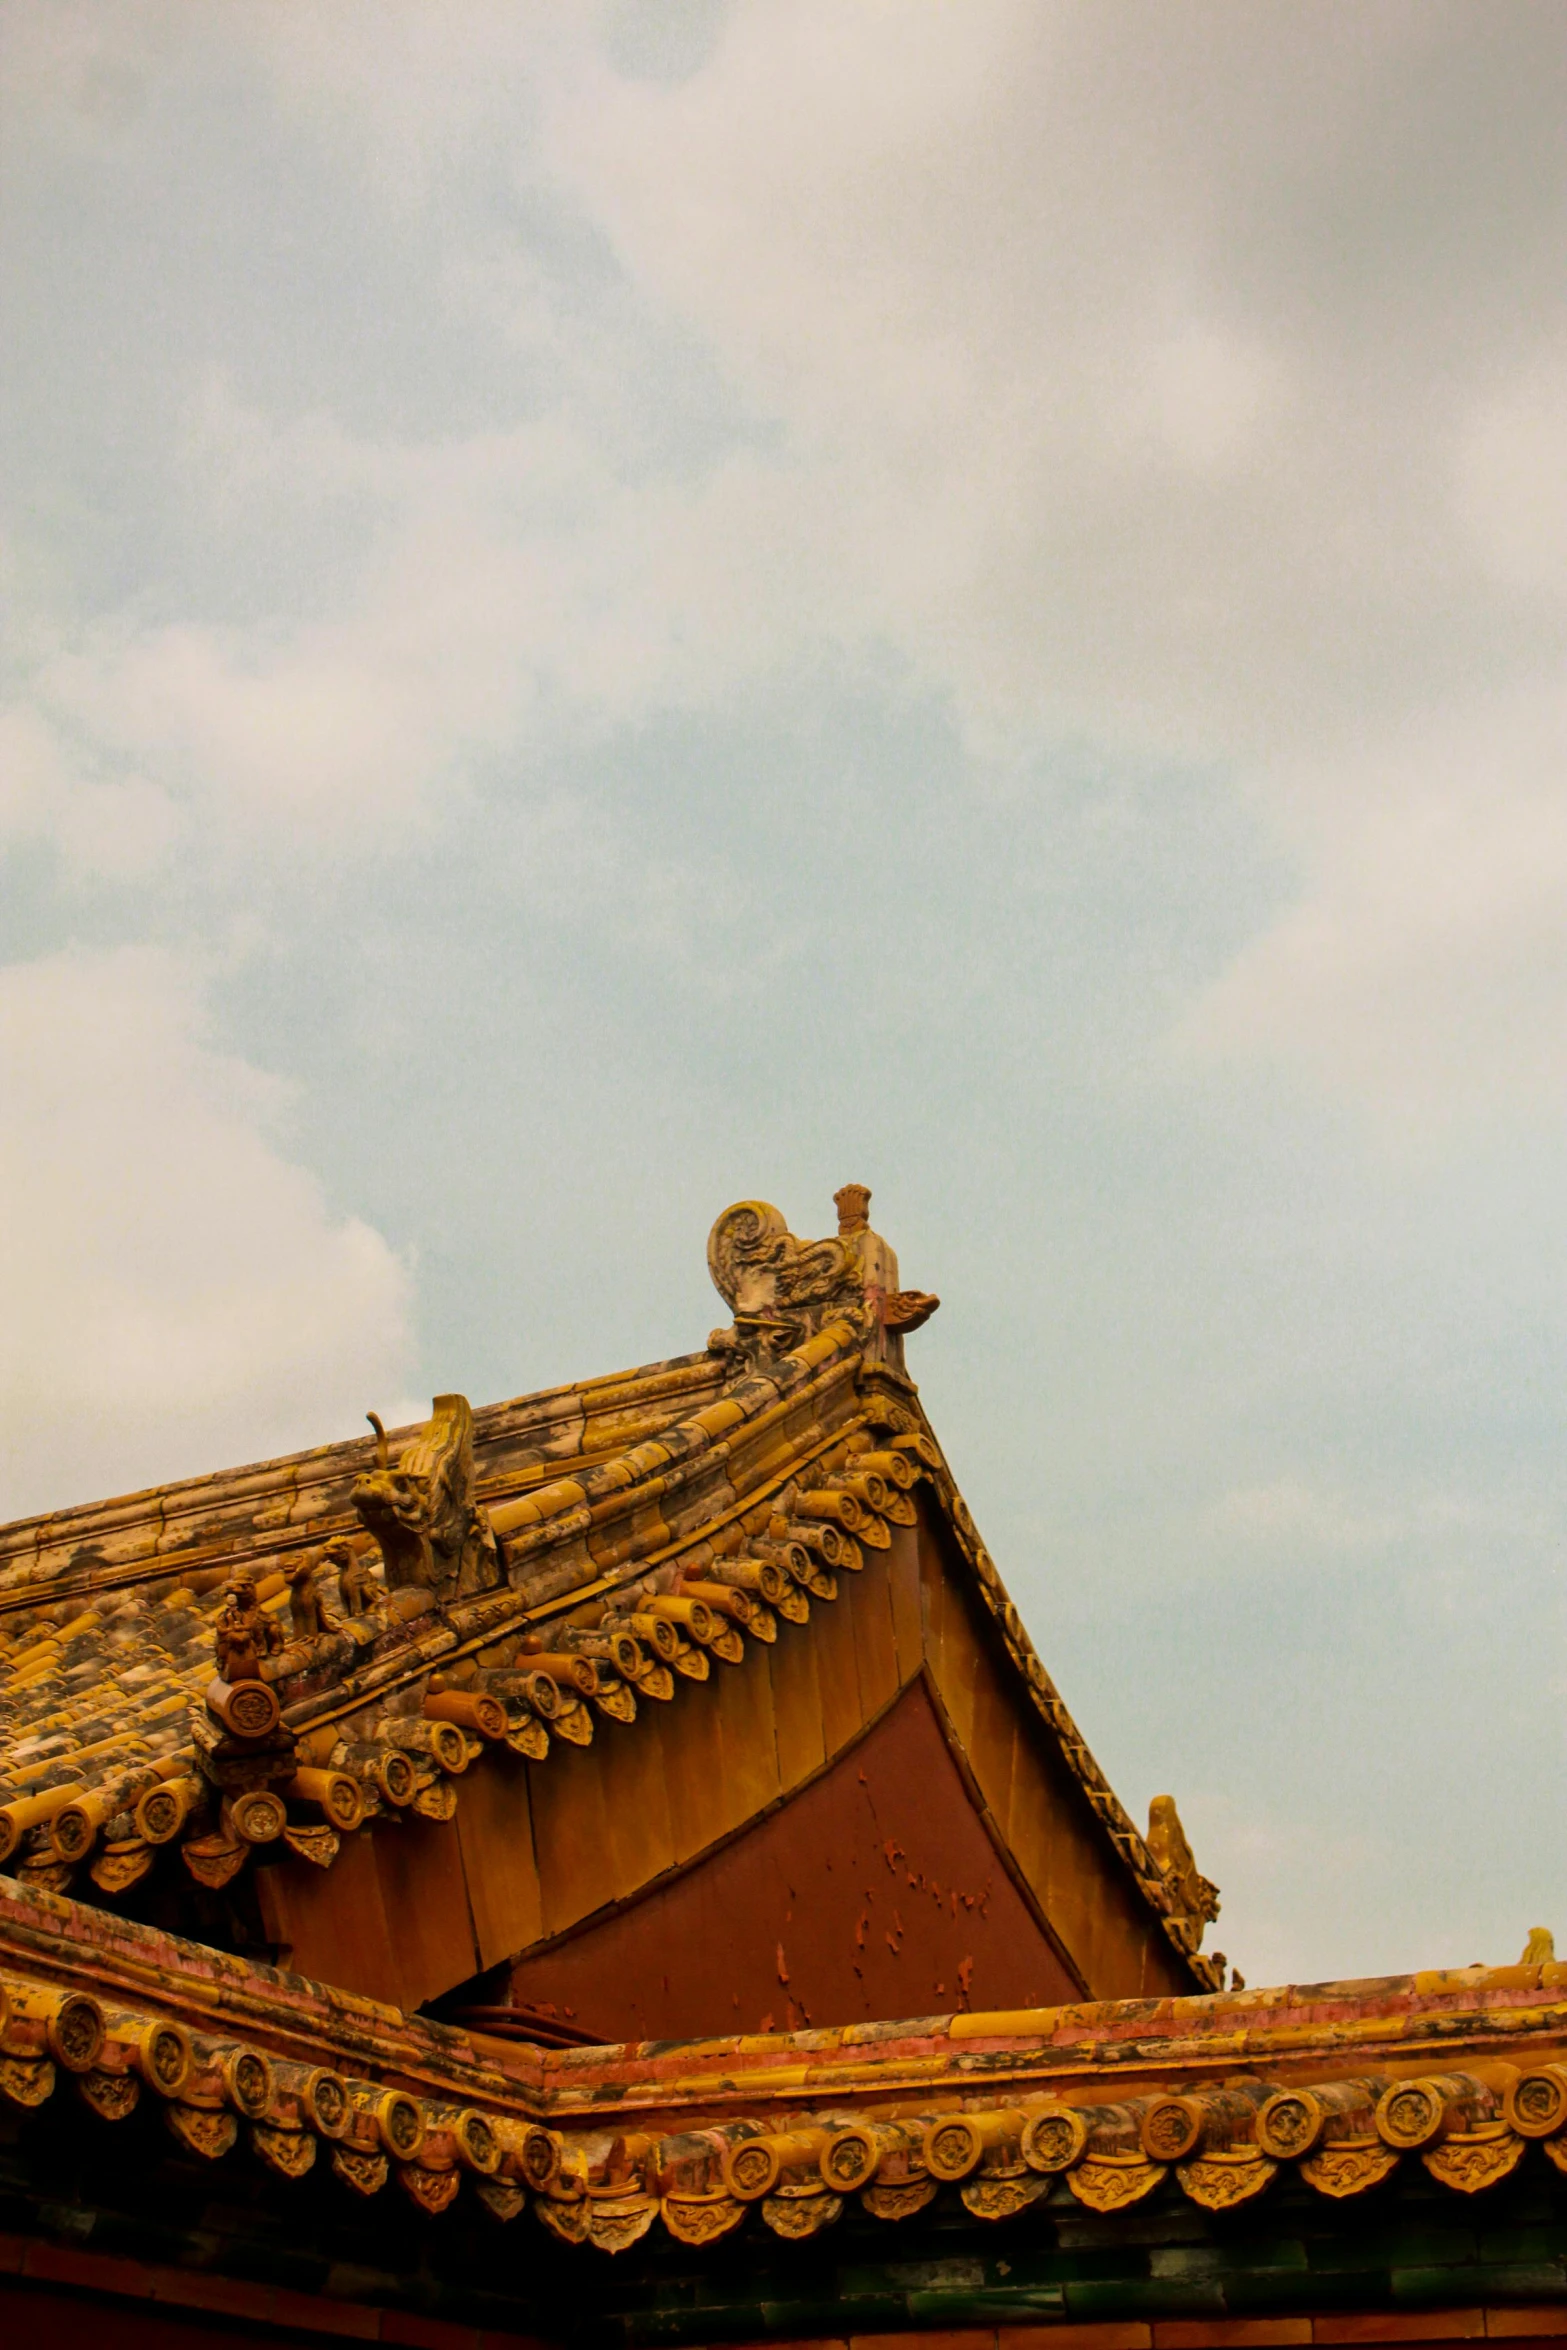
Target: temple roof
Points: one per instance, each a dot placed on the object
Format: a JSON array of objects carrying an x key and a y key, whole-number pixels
[{"x": 272, "y": 1659}]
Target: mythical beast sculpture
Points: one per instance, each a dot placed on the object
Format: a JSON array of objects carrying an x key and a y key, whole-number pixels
[
  {"x": 1196, "y": 1897},
  {"x": 421, "y": 1508},
  {"x": 781, "y": 1290}
]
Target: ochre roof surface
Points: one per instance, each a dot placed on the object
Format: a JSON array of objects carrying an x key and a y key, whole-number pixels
[{"x": 510, "y": 1577}]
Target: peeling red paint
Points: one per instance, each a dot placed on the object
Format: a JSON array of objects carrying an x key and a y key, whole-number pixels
[{"x": 715, "y": 1930}]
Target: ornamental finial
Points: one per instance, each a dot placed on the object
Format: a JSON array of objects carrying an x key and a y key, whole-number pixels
[
  {"x": 782, "y": 1290},
  {"x": 853, "y": 1204}
]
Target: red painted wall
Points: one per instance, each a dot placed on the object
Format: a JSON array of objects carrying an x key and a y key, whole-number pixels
[
  {"x": 65, "y": 2321},
  {"x": 876, "y": 1891}
]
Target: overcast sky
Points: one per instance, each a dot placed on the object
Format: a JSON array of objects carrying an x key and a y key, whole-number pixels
[{"x": 613, "y": 609}]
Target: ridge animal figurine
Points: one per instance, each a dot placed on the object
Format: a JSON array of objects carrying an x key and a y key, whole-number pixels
[
  {"x": 244, "y": 1633},
  {"x": 781, "y": 1290},
  {"x": 1196, "y": 1897},
  {"x": 421, "y": 1509},
  {"x": 310, "y": 1607},
  {"x": 358, "y": 1585}
]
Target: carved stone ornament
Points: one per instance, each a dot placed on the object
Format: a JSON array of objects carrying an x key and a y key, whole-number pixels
[
  {"x": 569, "y": 2221},
  {"x": 798, "y": 2216},
  {"x": 1054, "y": 2139},
  {"x": 1195, "y": 1896},
  {"x": 893, "y": 1312},
  {"x": 1473, "y": 2159},
  {"x": 26, "y": 2080},
  {"x": 289, "y": 2152},
  {"x": 205, "y": 2130},
  {"x": 1108, "y": 2183},
  {"x": 312, "y": 1607},
  {"x": 358, "y": 1586},
  {"x": 617, "y": 1702},
  {"x": 1000, "y": 2198},
  {"x": 421, "y": 1508},
  {"x": 318, "y": 1845},
  {"x": 779, "y": 1289},
  {"x": 899, "y": 2202},
  {"x": 1349, "y": 2168},
  {"x": 46, "y": 1874},
  {"x": 432, "y": 2190},
  {"x": 365, "y": 2173},
  {"x": 1219, "y": 2181},
  {"x": 256, "y": 1815},
  {"x": 574, "y": 1723},
  {"x": 616, "y": 2222},
  {"x": 244, "y": 1635},
  {"x": 112, "y": 2096},
  {"x": 215, "y": 1860},
  {"x": 701, "y": 2219},
  {"x": 119, "y": 1866},
  {"x": 782, "y": 1291},
  {"x": 503, "y": 2199}
]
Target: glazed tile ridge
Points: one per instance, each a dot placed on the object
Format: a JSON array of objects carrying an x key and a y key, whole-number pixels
[
  {"x": 57, "y": 1535},
  {"x": 701, "y": 2132}
]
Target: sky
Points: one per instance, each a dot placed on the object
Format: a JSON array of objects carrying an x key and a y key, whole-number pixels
[{"x": 611, "y": 609}]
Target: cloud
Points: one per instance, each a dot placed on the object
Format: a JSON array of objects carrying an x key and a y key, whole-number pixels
[
  {"x": 1290, "y": 1515},
  {"x": 114, "y": 829},
  {"x": 178, "y": 1293},
  {"x": 1423, "y": 969},
  {"x": 1135, "y": 384},
  {"x": 1119, "y": 371},
  {"x": 1077, "y": 405},
  {"x": 515, "y": 594},
  {"x": 1183, "y": 384},
  {"x": 1261, "y": 1857},
  {"x": 1511, "y": 475}
]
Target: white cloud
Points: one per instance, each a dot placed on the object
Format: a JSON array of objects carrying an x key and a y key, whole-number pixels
[
  {"x": 517, "y": 593},
  {"x": 1052, "y": 438},
  {"x": 1261, "y": 1860},
  {"x": 1289, "y": 1515},
  {"x": 1424, "y": 969},
  {"x": 1096, "y": 419},
  {"x": 1512, "y": 476},
  {"x": 111, "y": 829},
  {"x": 1188, "y": 383},
  {"x": 178, "y": 1293}
]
